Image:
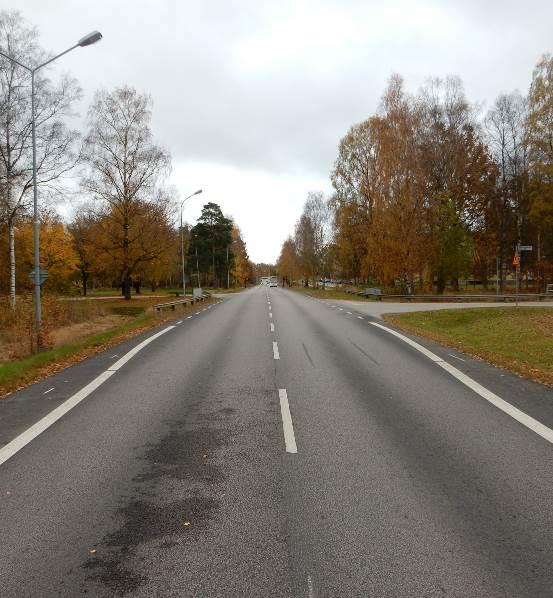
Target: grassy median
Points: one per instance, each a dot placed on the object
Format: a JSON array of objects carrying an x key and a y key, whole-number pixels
[{"x": 519, "y": 339}]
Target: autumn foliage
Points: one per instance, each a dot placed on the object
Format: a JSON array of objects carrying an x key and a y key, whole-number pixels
[{"x": 427, "y": 193}]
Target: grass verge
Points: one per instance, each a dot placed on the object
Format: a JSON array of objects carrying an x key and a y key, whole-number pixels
[
  {"x": 19, "y": 373},
  {"x": 328, "y": 294},
  {"x": 518, "y": 339}
]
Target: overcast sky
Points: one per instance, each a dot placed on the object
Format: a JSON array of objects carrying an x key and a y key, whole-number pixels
[{"x": 252, "y": 97}]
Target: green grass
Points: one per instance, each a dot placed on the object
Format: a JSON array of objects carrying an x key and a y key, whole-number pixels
[
  {"x": 331, "y": 293},
  {"x": 520, "y": 339},
  {"x": 26, "y": 368}
]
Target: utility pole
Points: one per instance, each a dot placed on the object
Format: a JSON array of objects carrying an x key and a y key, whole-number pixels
[
  {"x": 197, "y": 267},
  {"x": 228, "y": 272},
  {"x": 87, "y": 40}
]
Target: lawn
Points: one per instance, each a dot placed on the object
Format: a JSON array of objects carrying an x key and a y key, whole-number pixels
[
  {"x": 329, "y": 293},
  {"x": 519, "y": 339}
]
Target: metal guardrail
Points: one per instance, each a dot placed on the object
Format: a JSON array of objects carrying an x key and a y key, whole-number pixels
[
  {"x": 492, "y": 298},
  {"x": 172, "y": 304}
]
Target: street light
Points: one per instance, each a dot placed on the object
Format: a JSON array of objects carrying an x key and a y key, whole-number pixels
[
  {"x": 182, "y": 240},
  {"x": 87, "y": 40}
]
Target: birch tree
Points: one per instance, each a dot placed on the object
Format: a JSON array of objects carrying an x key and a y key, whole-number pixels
[
  {"x": 124, "y": 173},
  {"x": 55, "y": 141}
]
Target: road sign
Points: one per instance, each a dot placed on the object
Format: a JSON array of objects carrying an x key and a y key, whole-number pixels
[
  {"x": 516, "y": 260},
  {"x": 42, "y": 274},
  {"x": 525, "y": 248}
]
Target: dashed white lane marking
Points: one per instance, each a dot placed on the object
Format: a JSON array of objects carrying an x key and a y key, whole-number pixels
[
  {"x": 272, "y": 327},
  {"x": 270, "y": 315},
  {"x": 341, "y": 308},
  {"x": 287, "y": 426},
  {"x": 10, "y": 449},
  {"x": 179, "y": 322},
  {"x": 49, "y": 390},
  {"x": 455, "y": 357},
  {"x": 310, "y": 590},
  {"x": 521, "y": 417},
  {"x": 276, "y": 354},
  {"x": 189, "y": 317},
  {"x": 349, "y": 313},
  {"x": 360, "y": 317}
]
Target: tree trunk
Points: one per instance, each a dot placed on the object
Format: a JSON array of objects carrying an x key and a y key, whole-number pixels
[
  {"x": 127, "y": 287},
  {"x": 84, "y": 277},
  {"x": 440, "y": 283},
  {"x": 11, "y": 234}
]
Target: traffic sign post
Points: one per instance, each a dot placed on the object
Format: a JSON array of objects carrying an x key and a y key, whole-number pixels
[
  {"x": 516, "y": 263},
  {"x": 42, "y": 275}
]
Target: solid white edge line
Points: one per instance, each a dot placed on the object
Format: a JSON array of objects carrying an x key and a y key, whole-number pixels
[
  {"x": 10, "y": 449},
  {"x": 138, "y": 348},
  {"x": 43, "y": 424},
  {"x": 518, "y": 415},
  {"x": 287, "y": 426},
  {"x": 272, "y": 327},
  {"x": 521, "y": 417},
  {"x": 407, "y": 340},
  {"x": 276, "y": 354}
]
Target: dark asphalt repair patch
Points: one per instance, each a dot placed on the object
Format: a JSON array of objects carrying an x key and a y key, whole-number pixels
[{"x": 187, "y": 457}]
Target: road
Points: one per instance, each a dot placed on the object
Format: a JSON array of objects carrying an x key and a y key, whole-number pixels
[{"x": 277, "y": 445}]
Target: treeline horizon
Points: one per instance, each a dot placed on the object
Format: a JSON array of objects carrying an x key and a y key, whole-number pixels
[
  {"x": 427, "y": 192},
  {"x": 123, "y": 231}
]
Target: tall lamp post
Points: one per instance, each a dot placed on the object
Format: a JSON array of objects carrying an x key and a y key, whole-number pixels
[
  {"x": 87, "y": 40},
  {"x": 182, "y": 240}
]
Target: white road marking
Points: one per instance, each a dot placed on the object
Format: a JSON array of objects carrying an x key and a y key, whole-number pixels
[
  {"x": 521, "y": 417},
  {"x": 179, "y": 322},
  {"x": 10, "y": 449},
  {"x": 455, "y": 357},
  {"x": 272, "y": 327},
  {"x": 276, "y": 354},
  {"x": 270, "y": 315},
  {"x": 121, "y": 362},
  {"x": 31, "y": 433},
  {"x": 189, "y": 317},
  {"x": 413, "y": 344},
  {"x": 287, "y": 426},
  {"x": 310, "y": 590},
  {"x": 349, "y": 313},
  {"x": 360, "y": 317},
  {"x": 49, "y": 390},
  {"x": 112, "y": 357}
]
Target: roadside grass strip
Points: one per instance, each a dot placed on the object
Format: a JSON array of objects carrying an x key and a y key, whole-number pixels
[
  {"x": 519, "y": 339},
  {"x": 521, "y": 417},
  {"x": 13, "y": 447}
]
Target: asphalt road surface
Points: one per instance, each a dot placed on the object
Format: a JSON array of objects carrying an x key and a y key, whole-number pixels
[{"x": 277, "y": 445}]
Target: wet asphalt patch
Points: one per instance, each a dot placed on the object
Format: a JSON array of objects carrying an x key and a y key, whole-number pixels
[{"x": 183, "y": 463}]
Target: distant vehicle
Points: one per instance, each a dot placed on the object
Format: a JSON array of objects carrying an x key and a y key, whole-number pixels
[
  {"x": 265, "y": 280},
  {"x": 273, "y": 281}
]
